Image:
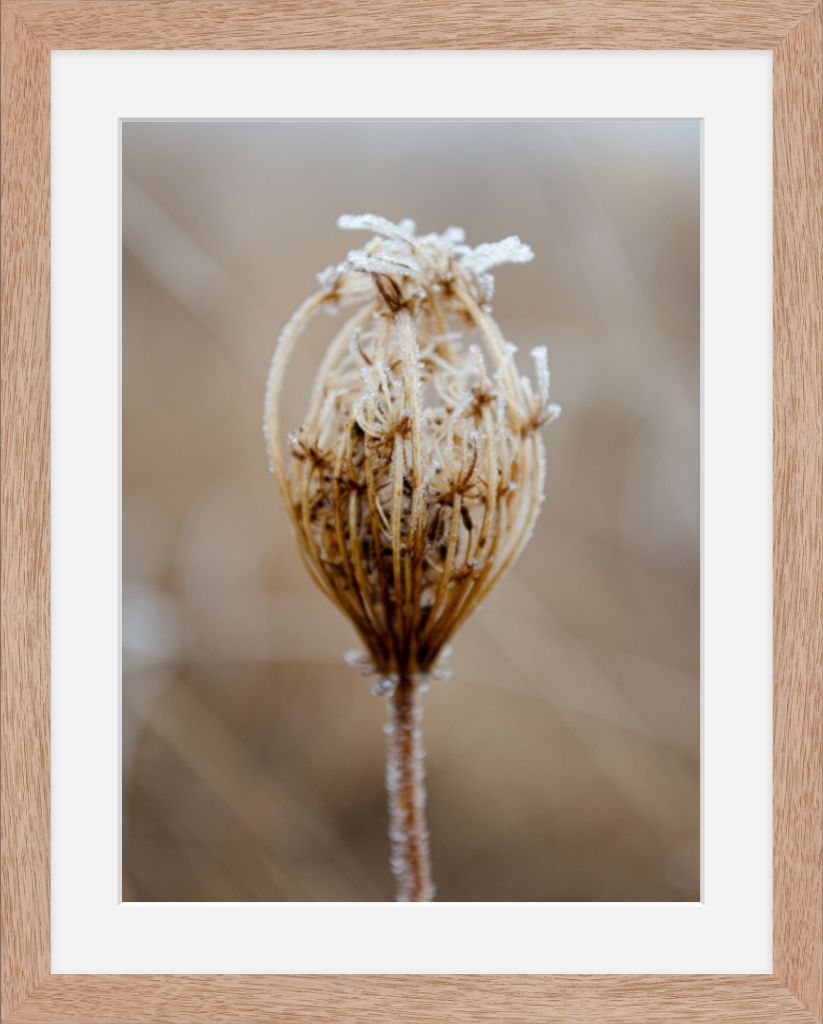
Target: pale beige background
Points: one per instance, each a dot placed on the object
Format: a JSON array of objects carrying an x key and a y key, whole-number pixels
[{"x": 564, "y": 755}]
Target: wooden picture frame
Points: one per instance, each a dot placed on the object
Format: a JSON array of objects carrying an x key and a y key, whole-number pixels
[{"x": 793, "y": 30}]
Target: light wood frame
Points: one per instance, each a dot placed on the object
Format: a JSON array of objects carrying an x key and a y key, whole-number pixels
[{"x": 793, "y": 30}]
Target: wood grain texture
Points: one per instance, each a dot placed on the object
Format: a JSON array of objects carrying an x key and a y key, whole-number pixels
[
  {"x": 793, "y": 29},
  {"x": 24, "y": 568},
  {"x": 425, "y": 999},
  {"x": 798, "y": 513},
  {"x": 411, "y": 24}
]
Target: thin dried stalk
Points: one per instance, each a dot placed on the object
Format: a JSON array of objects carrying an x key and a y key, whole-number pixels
[
  {"x": 405, "y": 785},
  {"x": 416, "y": 478}
]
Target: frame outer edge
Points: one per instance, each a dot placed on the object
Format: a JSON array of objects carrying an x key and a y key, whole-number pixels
[
  {"x": 25, "y": 577},
  {"x": 798, "y": 512},
  {"x": 25, "y": 780}
]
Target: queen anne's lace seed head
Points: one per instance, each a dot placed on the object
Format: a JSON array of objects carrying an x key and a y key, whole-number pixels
[{"x": 416, "y": 477}]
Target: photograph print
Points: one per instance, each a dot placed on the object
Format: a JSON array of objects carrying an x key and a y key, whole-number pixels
[{"x": 411, "y": 510}]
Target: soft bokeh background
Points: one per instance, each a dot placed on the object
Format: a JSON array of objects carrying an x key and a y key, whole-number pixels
[{"x": 563, "y": 758}]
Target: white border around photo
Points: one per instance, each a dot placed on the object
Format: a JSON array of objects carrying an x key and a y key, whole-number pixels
[{"x": 729, "y": 931}]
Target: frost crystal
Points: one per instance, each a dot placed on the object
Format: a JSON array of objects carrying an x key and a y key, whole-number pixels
[
  {"x": 361, "y": 660},
  {"x": 385, "y": 686},
  {"x": 494, "y": 254}
]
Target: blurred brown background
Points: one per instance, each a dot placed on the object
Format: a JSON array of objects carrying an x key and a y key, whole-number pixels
[{"x": 563, "y": 757}]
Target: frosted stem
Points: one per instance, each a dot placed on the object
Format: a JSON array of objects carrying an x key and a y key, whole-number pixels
[{"x": 405, "y": 783}]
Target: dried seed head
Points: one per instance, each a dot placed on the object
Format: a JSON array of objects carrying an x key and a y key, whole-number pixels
[{"x": 417, "y": 475}]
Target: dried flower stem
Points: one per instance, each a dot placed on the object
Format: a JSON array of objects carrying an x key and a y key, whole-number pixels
[
  {"x": 416, "y": 477},
  {"x": 405, "y": 785}
]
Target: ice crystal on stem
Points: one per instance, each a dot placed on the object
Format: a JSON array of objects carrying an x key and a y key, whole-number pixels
[{"x": 417, "y": 475}]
